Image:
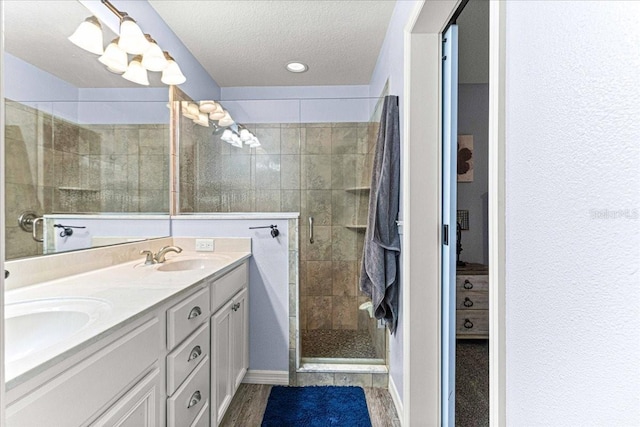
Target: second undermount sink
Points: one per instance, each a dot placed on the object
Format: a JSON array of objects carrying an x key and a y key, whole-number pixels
[
  {"x": 34, "y": 325},
  {"x": 195, "y": 263}
]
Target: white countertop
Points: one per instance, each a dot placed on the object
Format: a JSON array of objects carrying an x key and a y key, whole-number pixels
[{"x": 132, "y": 290}]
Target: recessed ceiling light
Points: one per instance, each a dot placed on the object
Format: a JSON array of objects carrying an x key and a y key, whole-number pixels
[{"x": 297, "y": 67}]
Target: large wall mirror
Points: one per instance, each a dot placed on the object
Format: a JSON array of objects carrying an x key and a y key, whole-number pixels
[{"x": 84, "y": 147}]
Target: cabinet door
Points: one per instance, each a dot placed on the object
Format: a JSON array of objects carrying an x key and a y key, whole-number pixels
[
  {"x": 240, "y": 337},
  {"x": 138, "y": 408},
  {"x": 221, "y": 362}
]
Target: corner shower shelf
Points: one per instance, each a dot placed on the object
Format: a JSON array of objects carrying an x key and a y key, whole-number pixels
[
  {"x": 357, "y": 227},
  {"x": 357, "y": 189}
]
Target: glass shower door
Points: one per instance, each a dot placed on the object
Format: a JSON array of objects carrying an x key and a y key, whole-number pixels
[{"x": 336, "y": 159}]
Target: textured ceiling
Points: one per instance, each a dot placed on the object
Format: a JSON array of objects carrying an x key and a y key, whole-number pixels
[{"x": 248, "y": 43}]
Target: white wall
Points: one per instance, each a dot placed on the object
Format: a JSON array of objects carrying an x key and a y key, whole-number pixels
[
  {"x": 268, "y": 283},
  {"x": 573, "y": 213}
]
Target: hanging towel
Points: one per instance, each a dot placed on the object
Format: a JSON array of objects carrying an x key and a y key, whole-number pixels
[{"x": 379, "y": 272}]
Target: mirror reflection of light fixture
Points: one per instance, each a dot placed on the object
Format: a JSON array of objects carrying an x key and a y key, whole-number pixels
[
  {"x": 136, "y": 72},
  {"x": 153, "y": 59},
  {"x": 132, "y": 39},
  {"x": 172, "y": 75},
  {"x": 218, "y": 113},
  {"x": 207, "y": 106},
  {"x": 202, "y": 120},
  {"x": 226, "y": 120},
  {"x": 88, "y": 36},
  {"x": 114, "y": 58}
]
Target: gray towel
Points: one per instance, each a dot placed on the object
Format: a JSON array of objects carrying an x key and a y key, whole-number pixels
[{"x": 379, "y": 273}]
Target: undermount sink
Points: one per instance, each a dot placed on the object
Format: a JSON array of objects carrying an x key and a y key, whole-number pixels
[
  {"x": 34, "y": 325},
  {"x": 195, "y": 263}
]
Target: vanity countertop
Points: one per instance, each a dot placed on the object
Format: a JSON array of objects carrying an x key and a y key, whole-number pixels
[{"x": 131, "y": 289}]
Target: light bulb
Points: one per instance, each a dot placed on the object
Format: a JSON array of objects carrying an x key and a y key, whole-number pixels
[
  {"x": 136, "y": 72},
  {"x": 132, "y": 40},
  {"x": 88, "y": 36},
  {"x": 114, "y": 58},
  {"x": 153, "y": 59}
]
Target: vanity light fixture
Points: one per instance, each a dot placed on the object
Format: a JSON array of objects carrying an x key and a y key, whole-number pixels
[
  {"x": 88, "y": 36},
  {"x": 136, "y": 72},
  {"x": 218, "y": 113},
  {"x": 148, "y": 56},
  {"x": 202, "y": 120},
  {"x": 114, "y": 58},
  {"x": 208, "y": 106},
  {"x": 297, "y": 67}
]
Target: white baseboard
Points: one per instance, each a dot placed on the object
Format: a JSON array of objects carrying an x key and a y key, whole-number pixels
[
  {"x": 266, "y": 377},
  {"x": 393, "y": 391}
]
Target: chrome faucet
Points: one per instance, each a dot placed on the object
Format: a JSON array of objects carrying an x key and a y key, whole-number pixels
[{"x": 162, "y": 252}]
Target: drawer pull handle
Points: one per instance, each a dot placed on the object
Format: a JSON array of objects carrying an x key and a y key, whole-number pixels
[
  {"x": 235, "y": 306},
  {"x": 194, "y": 400},
  {"x": 467, "y": 284},
  {"x": 195, "y": 353},
  {"x": 195, "y": 312},
  {"x": 468, "y": 324},
  {"x": 467, "y": 302}
]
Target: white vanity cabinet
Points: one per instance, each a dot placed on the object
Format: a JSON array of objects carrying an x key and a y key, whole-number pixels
[
  {"x": 119, "y": 380},
  {"x": 229, "y": 340},
  {"x": 175, "y": 366}
]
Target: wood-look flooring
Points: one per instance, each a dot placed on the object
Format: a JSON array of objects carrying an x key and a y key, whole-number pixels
[{"x": 250, "y": 401}]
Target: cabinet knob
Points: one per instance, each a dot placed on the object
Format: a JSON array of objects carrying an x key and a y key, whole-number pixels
[
  {"x": 235, "y": 306},
  {"x": 467, "y": 284},
  {"x": 467, "y": 302},
  {"x": 468, "y": 324},
  {"x": 195, "y": 312},
  {"x": 195, "y": 353},
  {"x": 195, "y": 399}
]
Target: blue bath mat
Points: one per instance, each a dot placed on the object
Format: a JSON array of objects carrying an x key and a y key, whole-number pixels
[{"x": 317, "y": 406}]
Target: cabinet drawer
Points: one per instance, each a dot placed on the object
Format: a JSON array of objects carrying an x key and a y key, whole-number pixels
[
  {"x": 472, "y": 300},
  {"x": 187, "y": 402},
  {"x": 183, "y": 360},
  {"x": 227, "y": 286},
  {"x": 202, "y": 420},
  {"x": 469, "y": 282},
  {"x": 472, "y": 322},
  {"x": 184, "y": 317}
]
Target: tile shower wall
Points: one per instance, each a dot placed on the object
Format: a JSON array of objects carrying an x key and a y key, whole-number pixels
[
  {"x": 316, "y": 169},
  {"x": 56, "y": 166}
]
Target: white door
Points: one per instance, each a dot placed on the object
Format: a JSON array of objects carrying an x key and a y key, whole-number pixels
[{"x": 449, "y": 178}]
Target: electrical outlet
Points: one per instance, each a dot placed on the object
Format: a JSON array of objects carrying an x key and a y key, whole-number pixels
[{"x": 205, "y": 245}]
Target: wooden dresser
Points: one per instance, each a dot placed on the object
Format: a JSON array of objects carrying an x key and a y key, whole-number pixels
[{"x": 472, "y": 302}]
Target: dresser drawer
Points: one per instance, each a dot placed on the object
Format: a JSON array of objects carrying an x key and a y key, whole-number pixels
[
  {"x": 183, "y": 360},
  {"x": 472, "y": 322},
  {"x": 184, "y": 317},
  {"x": 187, "y": 402},
  {"x": 472, "y": 300},
  {"x": 227, "y": 286},
  {"x": 469, "y": 282}
]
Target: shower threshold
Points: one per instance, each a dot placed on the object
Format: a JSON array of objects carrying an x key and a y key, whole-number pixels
[{"x": 322, "y": 364}]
